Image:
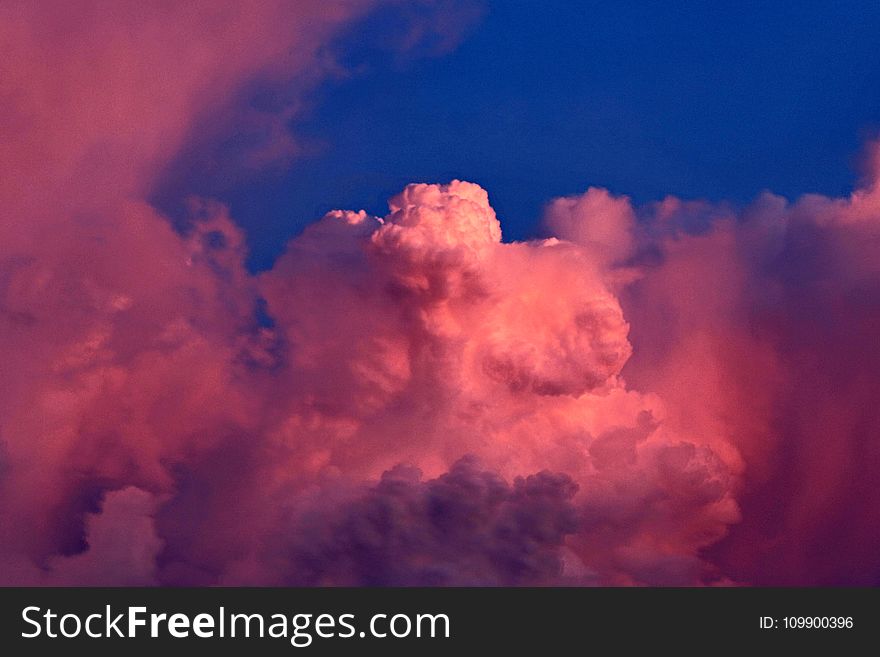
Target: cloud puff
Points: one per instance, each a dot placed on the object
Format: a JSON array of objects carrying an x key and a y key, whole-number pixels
[
  {"x": 595, "y": 220},
  {"x": 466, "y": 527}
]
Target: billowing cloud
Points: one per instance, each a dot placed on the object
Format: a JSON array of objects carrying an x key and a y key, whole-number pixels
[
  {"x": 411, "y": 341},
  {"x": 670, "y": 394},
  {"x": 757, "y": 329},
  {"x": 466, "y": 527}
]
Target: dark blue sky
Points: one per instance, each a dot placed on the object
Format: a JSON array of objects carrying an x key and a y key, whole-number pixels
[{"x": 541, "y": 99}]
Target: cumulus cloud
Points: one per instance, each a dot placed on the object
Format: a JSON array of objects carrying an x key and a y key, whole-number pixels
[
  {"x": 669, "y": 394},
  {"x": 410, "y": 341},
  {"x": 757, "y": 329},
  {"x": 466, "y": 527},
  {"x": 595, "y": 220}
]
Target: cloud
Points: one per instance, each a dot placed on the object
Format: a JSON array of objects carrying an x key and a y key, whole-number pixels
[
  {"x": 595, "y": 220},
  {"x": 466, "y": 527},
  {"x": 102, "y": 95},
  {"x": 122, "y": 544},
  {"x": 756, "y": 328},
  {"x": 670, "y": 394}
]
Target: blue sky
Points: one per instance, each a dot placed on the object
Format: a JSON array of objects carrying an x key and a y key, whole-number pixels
[{"x": 709, "y": 100}]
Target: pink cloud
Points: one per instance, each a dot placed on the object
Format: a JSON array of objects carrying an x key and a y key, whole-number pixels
[
  {"x": 674, "y": 394},
  {"x": 757, "y": 331}
]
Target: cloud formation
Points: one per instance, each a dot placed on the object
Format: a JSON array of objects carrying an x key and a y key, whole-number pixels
[
  {"x": 672, "y": 394},
  {"x": 757, "y": 329}
]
